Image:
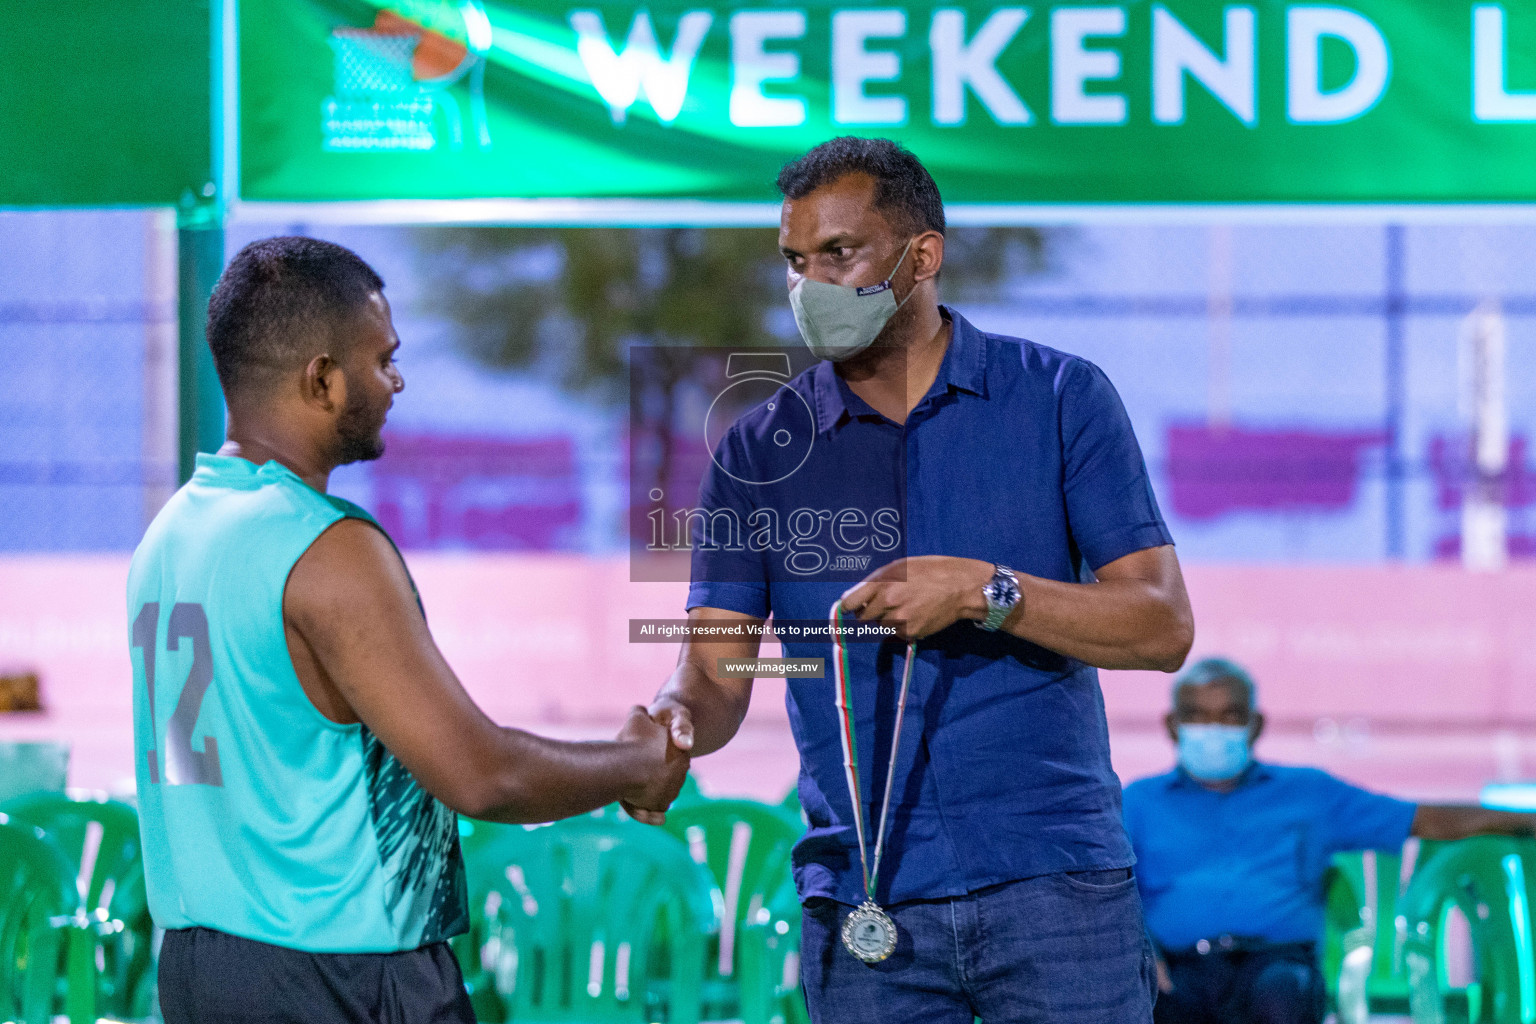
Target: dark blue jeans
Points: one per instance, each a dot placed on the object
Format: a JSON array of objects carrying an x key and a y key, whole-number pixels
[
  {"x": 1057, "y": 949},
  {"x": 1274, "y": 985}
]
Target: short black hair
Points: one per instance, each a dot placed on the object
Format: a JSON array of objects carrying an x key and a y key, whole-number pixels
[
  {"x": 279, "y": 303},
  {"x": 904, "y": 190}
]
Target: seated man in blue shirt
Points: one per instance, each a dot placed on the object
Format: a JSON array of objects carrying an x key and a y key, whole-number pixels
[{"x": 1231, "y": 855}]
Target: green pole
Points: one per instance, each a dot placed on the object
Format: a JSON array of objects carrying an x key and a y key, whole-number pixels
[
  {"x": 200, "y": 259},
  {"x": 200, "y": 402}
]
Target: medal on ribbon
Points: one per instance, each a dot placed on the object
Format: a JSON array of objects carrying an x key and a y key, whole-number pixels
[{"x": 868, "y": 931}]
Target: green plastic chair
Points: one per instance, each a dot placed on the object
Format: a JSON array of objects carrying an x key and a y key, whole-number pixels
[
  {"x": 769, "y": 975},
  {"x": 100, "y": 837},
  {"x": 1490, "y": 880},
  {"x": 1362, "y": 950},
  {"x": 47, "y": 942},
  {"x": 32, "y": 767},
  {"x": 488, "y": 848},
  {"x": 1365, "y": 933},
  {"x": 691, "y": 793},
  {"x": 1344, "y": 930},
  {"x": 746, "y": 847},
  {"x": 594, "y": 920}
]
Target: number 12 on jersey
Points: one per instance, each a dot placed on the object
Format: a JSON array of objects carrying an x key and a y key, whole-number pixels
[{"x": 183, "y": 765}]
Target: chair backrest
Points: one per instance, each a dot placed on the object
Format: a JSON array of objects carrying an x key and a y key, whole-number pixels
[
  {"x": 690, "y": 794},
  {"x": 40, "y": 918},
  {"x": 32, "y": 767},
  {"x": 1384, "y": 886},
  {"x": 1344, "y": 915},
  {"x": 1362, "y": 947},
  {"x": 488, "y": 848},
  {"x": 745, "y": 845},
  {"x": 769, "y": 974},
  {"x": 746, "y": 848},
  {"x": 1490, "y": 880},
  {"x": 598, "y": 920},
  {"x": 100, "y": 837}
]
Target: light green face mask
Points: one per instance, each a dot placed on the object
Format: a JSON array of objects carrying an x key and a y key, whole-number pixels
[{"x": 840, "y": 320}]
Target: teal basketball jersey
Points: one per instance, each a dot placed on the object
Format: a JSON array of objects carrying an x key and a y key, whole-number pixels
[{"x": 260, "y": 816}]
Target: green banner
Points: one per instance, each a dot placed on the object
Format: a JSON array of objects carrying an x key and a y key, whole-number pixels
[
  {"x": 105, "y": 104},
  {"x": 1377, "y": 101}
]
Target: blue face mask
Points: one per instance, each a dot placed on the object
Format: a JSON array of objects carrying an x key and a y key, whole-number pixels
[{"x": 1214, "y": 753}]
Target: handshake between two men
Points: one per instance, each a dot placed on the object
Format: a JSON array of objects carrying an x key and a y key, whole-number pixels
[
  {"x": 661, "y": 763},
  {"x": 915, "y": 596},
  {"x": 364, "y": 653},
  {"x": 698, "y": 710}
]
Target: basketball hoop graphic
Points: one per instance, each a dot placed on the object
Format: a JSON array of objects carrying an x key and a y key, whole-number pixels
[{"x": 393, "y": 80}]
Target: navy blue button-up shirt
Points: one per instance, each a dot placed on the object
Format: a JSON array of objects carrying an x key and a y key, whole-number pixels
[
  {"x": 1249, "y": 862},
  {"x": 1018, "y": 455}
]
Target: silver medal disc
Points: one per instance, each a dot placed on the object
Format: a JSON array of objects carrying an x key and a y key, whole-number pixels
[{"x": 869, "y": 933}]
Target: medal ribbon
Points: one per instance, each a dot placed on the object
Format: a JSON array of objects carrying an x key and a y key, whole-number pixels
[{"x": 844, "y": 701}]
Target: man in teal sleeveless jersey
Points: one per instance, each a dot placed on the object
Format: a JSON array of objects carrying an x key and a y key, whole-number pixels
[{"x": 301, "y": 745}]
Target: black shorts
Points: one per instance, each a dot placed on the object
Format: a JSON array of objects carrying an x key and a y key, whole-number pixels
[{"x": 210, "y": 977}]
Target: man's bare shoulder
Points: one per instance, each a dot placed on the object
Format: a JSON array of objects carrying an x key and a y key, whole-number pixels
[{"x": 352, "y": 571}]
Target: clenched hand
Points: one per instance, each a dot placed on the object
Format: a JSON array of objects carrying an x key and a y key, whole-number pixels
[
  {"x": 665, "y": 766},
  {"x": 921, "y": 595}
]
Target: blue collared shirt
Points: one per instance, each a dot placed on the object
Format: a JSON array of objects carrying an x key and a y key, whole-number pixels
[
  {"x": 1018, "y": 455},
  {"x": 1249, "y": 862}
]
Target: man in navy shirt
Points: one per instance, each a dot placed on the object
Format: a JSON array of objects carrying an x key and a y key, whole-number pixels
[
  {"x": 988, "y": 482},
  {"x": 1231, "y": 855}
]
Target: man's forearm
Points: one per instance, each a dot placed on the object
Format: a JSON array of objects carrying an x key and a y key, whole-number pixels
[
  {"x": 1123, "y": 624},
  {"x": 1136, "y": 616},
  {"x": 1455, "y": 821},
  {"x": 716, "y": 711},
  {"x": 538, "y": 779}
]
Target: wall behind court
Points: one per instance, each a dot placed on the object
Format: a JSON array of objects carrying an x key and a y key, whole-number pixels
[
  {"x": 88, "y": 388},
  {"x": 1404, "y": 678},
  {"x": 1295, "y": 388}
]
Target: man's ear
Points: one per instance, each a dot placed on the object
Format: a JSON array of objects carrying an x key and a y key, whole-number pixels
[
  {"x": 1172, "y": 725},
  {"x": 1255, "y": 727},
  {"x": 324, "y": 384},
  {"x": 927, "y": 256}
]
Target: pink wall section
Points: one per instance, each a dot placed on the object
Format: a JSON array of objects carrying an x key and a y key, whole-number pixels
[
  {"x": 1419, "y": 680},
  {"x": 1431, "y": 646}
]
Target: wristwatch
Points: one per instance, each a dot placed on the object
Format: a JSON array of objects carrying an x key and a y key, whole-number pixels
[{"x": 1002, "y": 594}]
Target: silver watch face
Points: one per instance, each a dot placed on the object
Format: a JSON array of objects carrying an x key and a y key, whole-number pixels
[{"x": 1003, "y": 590}]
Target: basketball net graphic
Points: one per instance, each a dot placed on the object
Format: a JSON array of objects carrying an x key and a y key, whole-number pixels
[{"x": 393, "y": 80}]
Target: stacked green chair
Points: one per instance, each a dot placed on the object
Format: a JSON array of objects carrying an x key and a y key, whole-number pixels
[
  {"x": 1363, "y": 950},
  {"x": 100, "y": 838},
  {"x": 32, "y": 767},
  {"x": 1490, "y": 880},
  {"x": 769, "y": 975},
  {"x": 593, "y": 919},
  {"x": 47, "y": 942},
  {"x": 690, "y": 794},
  {"x": 1365, "y": 933},
  {"x": 1347, "y": 938},
  {"x": 746, "y": 847},
  {"x": 488, "y": 848}
]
